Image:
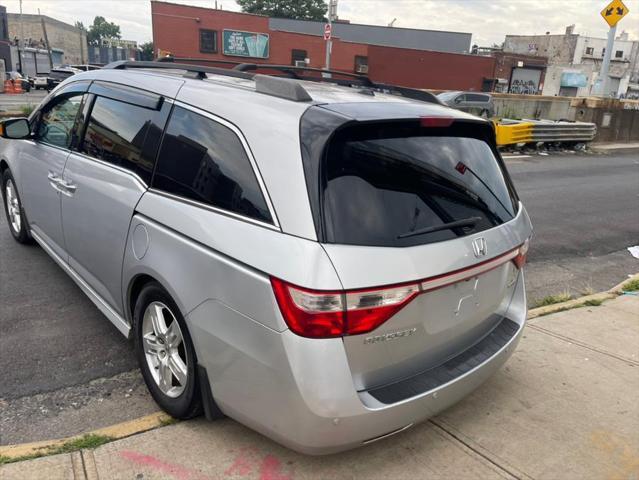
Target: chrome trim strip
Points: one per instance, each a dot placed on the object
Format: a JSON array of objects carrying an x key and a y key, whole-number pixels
[
  {"x": 448, "y": 279},
  {"x": 247, "y": 150},
  {"x": 99, "y": 302},
  {"x": 135, "y": 176},
  {"x": 221, "y": 211}
]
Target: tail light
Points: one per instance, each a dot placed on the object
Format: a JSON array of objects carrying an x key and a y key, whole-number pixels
[
  {"x": 522, "y": 255},
  {"x": 324, "y": 314},
  {"x": 336, "y": 313}
]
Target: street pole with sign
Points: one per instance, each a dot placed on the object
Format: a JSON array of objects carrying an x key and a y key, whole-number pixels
[
  {"x": 612, "y": 13},
  {"x": 328, "y": 31}
]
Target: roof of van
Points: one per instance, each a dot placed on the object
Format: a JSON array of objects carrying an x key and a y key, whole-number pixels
[{"x": 168, "y": 81}]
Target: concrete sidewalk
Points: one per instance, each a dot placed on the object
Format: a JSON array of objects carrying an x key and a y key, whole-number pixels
[{"x": 565, "y": 406}]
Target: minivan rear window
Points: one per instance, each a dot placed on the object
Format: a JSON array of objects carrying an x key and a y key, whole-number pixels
[{"x": 398, "y": 185}]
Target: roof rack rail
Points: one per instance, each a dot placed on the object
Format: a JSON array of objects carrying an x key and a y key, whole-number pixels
[
  {"x": 363, "y": 80},
  {"x": 245, "y": 67},
  {"x": 199, "y": 70},
  {"x": 269, "y": 85},
  {"x": 197, "y": 60},
  {"x": 281, "y": 89}
]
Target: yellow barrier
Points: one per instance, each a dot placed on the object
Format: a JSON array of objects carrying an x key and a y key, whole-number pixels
[{"x": 514, "y": 133}]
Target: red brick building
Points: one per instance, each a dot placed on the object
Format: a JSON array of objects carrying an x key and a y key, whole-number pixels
[{"x": 405, "y": 57}]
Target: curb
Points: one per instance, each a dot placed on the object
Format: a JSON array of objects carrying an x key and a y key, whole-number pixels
[
  {"x": 577, "y": 302},
  {"x": 114, "y": 432},
  {"x": 159, "y": 419}
]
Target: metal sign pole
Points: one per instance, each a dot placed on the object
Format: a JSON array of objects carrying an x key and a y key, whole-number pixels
[
  {"x": 604, "y": 78},
  {"x": 332, "y": 15}
]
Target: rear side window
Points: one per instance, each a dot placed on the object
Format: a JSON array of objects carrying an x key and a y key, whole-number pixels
[
  {"x": 203, "y": 160},
  {"x": 123, "y": 134},
  {"x": 405, "y": 185}
]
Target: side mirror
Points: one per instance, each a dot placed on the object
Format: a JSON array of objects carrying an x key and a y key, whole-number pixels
[
  {"x": 15, "y": 128},
  {"x": 458, "y": 99}
]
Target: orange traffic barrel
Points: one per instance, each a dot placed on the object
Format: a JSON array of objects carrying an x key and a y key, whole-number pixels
[
  {"x": 8, "y": 86},
  {"x": 17, "y": 86}
]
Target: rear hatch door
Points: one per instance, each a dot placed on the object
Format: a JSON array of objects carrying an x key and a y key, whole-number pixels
[{"x": 423, "y": 201}]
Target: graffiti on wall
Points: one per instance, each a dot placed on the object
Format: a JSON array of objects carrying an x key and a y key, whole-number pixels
[{"x": 525, "y": 81}]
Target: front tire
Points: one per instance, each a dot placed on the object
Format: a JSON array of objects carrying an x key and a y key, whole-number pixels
[
  {"x": 13, "y": 210},
  {"x": 165, "y": 353}
]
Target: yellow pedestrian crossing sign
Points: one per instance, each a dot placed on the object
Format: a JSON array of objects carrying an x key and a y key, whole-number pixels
[{"x": 614, "y": 12}]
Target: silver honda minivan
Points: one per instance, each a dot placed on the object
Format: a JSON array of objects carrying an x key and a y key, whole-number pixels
[{"x": 328, "y": 262}]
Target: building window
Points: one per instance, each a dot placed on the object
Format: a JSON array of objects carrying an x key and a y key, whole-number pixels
[
  {"x": 619, "y": 54},
  {"x": 603, "y": 52},
  {"x": 590, "y": 51},
  {"x": 208, "y": 41},
  {"x": 361, "y": 64},
  {"x": 298, "y": 57}
]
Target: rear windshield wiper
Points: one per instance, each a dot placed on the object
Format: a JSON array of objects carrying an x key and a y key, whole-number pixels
[{"x": 465, "y": 222}]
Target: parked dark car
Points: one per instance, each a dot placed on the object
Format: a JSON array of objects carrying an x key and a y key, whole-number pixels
[
  {"x": 55, "y": 77},
  {"x": 472, "y": 102}
]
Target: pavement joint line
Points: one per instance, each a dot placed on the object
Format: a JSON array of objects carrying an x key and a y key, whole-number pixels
[
  {"x": 582, "y": 344},
  {"x": 88, "y": 462},
  {"x": 488, "y": 456}
]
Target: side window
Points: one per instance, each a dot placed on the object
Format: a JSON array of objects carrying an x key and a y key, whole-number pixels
[
  {"x": 205, "y": 161},
  {"x": 56, "y": 123},
  {"x": 120, "y": 133}
]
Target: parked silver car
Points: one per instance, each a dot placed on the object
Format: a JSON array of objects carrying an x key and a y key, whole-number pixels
[
  {"x": 326, "y": 264},
  {"x": 472, "y": 102}
]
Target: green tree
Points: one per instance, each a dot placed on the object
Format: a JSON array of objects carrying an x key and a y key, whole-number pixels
[
  {"x": 297, "y": 9},
  {"x": 80, "y": 25},
  {"x": 146, "y": 51},
  {"x": 102, "y": 29}
]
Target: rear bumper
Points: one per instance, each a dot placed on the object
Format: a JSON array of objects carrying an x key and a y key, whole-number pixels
[{"x": 300, "y": 391}]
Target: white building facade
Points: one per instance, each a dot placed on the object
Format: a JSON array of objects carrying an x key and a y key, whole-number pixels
[{"x": 574, "y": 62}]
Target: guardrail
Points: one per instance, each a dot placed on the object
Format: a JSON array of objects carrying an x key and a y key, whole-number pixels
[{"x": 510, "y": 132}]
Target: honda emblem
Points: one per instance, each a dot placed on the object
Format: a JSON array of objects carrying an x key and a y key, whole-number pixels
[{"x": 479, "y": 247}]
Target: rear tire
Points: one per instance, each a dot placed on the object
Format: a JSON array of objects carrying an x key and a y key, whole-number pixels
[
  {"x": 13, "y": 210},
  {"x": 165, "y": 353}
]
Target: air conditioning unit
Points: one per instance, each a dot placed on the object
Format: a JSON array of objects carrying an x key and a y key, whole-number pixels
[
  {"x": 362, "y": 69},
  {"x": 300, "y": 63}
]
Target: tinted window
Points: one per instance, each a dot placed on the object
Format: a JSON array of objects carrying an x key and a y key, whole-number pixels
[
  {"x": 208, "y": 41},
  {"x": 474, "y": 97},
  {"x": 205, "y": 161},
  {"x": 398, "y": 186},
  {"x": 56, "y": 123},
  {"x": 123, "y": 134}
]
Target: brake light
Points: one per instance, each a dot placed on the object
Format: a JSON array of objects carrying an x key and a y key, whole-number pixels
[
  {"x": 436, "y": 121},
  {"x": 336, "y": 313},
  {"x": 522, "y": 254},
  {"x": 326, "y": 314}
]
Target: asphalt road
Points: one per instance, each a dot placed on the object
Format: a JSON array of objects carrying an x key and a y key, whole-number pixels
[
  {"x": 58, "y": 354},
  {"x": 585, "y": 213}
]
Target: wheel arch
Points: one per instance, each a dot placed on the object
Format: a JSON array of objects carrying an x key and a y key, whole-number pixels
[{"x": 136, "y": 284}]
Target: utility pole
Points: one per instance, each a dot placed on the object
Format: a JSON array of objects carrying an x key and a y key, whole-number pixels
[
  {"x": 46, "y": 40},
  {"x": 332, "y": 15},
  {"x": 20, "y": 43}
]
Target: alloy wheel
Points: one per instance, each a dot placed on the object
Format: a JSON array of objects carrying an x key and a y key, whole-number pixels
[
  {"x": 164, "y": 349},
  {"x": 13, "y": 206}
]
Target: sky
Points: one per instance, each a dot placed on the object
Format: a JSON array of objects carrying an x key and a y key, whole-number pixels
[{"x": 488, "y": 20}]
